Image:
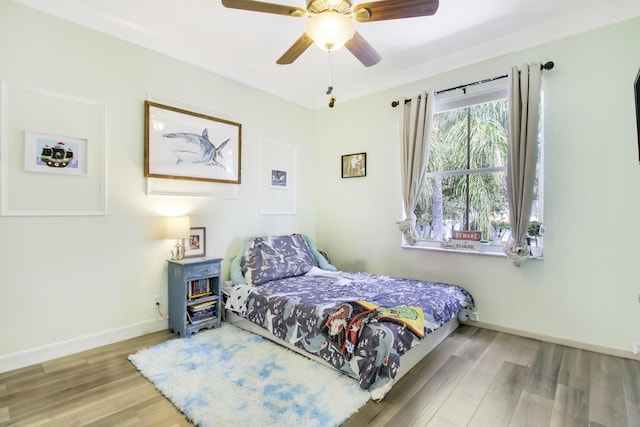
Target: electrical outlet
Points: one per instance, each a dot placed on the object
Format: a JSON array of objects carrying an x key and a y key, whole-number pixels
[
  {"x": 636, "y": 348},
  {"x": 156, "y": 301},
  {"x": 474, "y": 316}
]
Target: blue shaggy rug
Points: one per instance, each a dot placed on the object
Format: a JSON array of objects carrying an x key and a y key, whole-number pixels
[{"x": 230, "y": 377}]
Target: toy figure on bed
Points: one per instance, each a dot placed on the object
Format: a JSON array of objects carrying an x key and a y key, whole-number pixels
[{"x": 360, "y": 323}]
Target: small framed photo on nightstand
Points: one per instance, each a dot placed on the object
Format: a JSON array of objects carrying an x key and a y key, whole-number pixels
[{"x": 195, "y": 245}]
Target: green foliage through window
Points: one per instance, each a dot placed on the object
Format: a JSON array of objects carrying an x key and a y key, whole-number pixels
[{"x": 465, "y": 185}]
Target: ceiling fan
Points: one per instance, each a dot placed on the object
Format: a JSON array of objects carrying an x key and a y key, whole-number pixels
[{"x": 330, "y": 23}]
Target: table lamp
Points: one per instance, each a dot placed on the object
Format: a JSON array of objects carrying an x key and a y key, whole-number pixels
[{"x": 179, "y": 228}]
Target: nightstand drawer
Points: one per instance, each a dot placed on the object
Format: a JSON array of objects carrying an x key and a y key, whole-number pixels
[{"x": 202, "y": 270}]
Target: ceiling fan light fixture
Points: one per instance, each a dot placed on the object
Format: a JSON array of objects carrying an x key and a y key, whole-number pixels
[
  {"x": 330, "y": 30},
  {"x": 319, "y": 6}
]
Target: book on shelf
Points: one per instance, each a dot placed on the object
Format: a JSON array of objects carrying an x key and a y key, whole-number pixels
[
  {"x": 201, "y": 309},
  {"x": 202, "y": 305},
  {"x": 204, "y": 294},
  {"x": 198, "y": 288},
  {"x": 200, "y": 316},
  {"x": 195, "y": 322}
]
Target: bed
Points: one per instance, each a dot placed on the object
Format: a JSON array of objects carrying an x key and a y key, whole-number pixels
[{"x": 371, "y": 327}]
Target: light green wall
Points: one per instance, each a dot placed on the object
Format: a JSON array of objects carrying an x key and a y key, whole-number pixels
[
  {"x": 586, "y": 289},
  {"x": 582, "y": 291},
  {"x": 116, "y": 261}
]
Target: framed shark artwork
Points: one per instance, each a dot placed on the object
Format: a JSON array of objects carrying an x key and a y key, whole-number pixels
[{"x": 180, "y": 144}]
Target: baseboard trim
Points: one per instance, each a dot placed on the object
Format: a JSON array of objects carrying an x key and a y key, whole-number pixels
[
  {"x": 555, "y": 340},
  {"x": 21, "y": 359},
  {"x": 29, "y": 357}
]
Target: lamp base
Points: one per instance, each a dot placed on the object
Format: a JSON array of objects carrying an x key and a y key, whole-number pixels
[{"x": 177, "y": 252}]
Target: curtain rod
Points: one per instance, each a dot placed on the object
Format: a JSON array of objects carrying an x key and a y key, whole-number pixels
[{"x": 546, "y": 66}]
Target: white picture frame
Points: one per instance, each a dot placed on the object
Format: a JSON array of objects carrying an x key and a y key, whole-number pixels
[
  {"x": 277, "y": 178},
  {"x": 28, "y": 113},
  {"x": 196, "y": 244},
  {"x": 48, "y": 153}
]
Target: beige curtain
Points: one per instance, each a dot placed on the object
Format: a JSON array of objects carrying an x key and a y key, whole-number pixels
[
  {"x": 417, "y": 122},
  {"x": 524, "y": 118}
]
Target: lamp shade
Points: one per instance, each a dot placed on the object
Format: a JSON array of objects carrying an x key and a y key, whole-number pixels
[
  {"x": 330, "y": 30},
  {"x": 177, "y": 227}
]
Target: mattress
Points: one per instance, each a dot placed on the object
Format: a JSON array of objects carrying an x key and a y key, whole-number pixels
[{"x": 296, "y": 310}]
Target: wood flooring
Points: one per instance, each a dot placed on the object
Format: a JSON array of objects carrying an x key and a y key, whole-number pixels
[{"x": 476, "y": 377}]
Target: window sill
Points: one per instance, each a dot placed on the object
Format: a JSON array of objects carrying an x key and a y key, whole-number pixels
[{"x": 487, "y": 250}]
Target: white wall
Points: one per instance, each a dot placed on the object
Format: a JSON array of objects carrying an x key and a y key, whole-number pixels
[
  {"x": 117, "y": 261},
  {"x": 586, "y": 289},
  {"x": 581, "y": 291}
]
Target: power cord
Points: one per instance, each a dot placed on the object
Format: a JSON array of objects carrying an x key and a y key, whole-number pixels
[{"x": 165, "y": 317}]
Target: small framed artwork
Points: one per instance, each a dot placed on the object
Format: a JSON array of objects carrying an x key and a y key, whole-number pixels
[
  {"x": 278, "y": 179},
  {"x": 354, "y": 165},
  {"x": 180, "y": 144},
  {"x": 48, "y": 153},
  {"x": 196, "y": 244}
]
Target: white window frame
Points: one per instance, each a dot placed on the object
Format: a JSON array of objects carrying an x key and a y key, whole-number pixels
[{"x": 461, "y": 98}]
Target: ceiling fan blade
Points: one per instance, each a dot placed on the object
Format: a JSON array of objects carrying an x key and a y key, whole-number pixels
[
  {"x": 258, "y": 6},
  {"x": 394, "y": 9},
  {"x": 362, "y": 50},
  {"x": 295, "y": 50}
]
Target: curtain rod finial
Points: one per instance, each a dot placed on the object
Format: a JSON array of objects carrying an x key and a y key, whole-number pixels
[
  {"x": 394, "y": 104},
  {"x": 548, "y": 65}
]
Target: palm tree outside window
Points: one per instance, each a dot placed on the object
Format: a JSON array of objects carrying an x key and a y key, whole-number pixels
[{"x": 465, "y": 186}]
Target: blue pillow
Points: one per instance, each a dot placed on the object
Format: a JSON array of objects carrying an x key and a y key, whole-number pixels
[
  {"x": 268, "y": 260},
  {"x": 276, "y": 257}
]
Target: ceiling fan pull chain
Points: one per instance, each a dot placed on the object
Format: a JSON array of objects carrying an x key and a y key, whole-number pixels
[
  {"x": 332, "y": 98},
  {"x": 330, "y": 88}
]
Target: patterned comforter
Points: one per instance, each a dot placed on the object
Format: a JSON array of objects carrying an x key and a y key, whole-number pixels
[{"x": 294, "y": 309}]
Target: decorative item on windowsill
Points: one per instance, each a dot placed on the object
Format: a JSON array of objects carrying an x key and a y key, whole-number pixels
[
  {"x": 179, "y": 228},
  {"x": 535, "y": 231}
]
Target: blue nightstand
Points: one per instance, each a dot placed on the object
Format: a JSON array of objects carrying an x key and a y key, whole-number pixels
[{"x": 194, "y": 295}]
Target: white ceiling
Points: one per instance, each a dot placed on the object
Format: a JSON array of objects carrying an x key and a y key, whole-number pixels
[{"x": 244, "y": 45}]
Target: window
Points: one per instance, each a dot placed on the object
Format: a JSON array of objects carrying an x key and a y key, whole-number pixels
[{"x": 465, "y": 185}]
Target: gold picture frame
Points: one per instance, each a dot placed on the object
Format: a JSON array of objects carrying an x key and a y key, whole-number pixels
[{"x": 181, "y": 144}]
